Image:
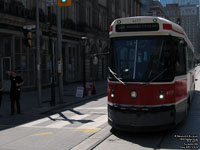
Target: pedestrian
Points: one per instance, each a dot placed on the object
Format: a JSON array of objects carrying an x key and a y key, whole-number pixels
[{"x": 15, "y": 90}]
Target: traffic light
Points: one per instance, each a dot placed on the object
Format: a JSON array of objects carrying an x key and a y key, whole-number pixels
[
  {"x": 64, "y": 2},
  {"x": 28, "y": 38}
]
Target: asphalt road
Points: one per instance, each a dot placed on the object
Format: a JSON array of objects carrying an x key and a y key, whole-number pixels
[{"x": 84, "y": 126}]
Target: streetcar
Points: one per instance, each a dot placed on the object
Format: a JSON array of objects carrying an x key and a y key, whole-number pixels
[{"x": 151, "y": 74}]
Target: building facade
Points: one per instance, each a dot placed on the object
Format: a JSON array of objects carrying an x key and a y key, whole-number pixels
[
  {"x": 190, "y": 23},
  {"x": 157, "y": 10},
  {"x": 153, "y": 8},
  {"x": 146, "y": 5},
  {"x": 188, "y": 17},
  {"x": 90, "y": 18},
  {"x": 173, "y": 12}
]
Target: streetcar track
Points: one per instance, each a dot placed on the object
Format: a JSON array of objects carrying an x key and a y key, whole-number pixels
[
  {"x": 100, "y": 141},
  {"x": 160, "y": 142}
]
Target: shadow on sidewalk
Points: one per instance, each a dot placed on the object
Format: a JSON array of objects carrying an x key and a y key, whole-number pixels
[{"x": 8, "y": 121}]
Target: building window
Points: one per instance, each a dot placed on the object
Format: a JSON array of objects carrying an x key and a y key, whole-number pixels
[
  {"x": 101, "y": 20},
  {"x": 88, "y": 16},
  {"x": 75, "y": 12}
]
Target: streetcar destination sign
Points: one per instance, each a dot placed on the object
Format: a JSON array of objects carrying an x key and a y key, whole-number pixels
[{"x": 137, "y": 27}]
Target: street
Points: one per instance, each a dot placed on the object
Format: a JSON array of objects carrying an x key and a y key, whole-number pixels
[{"x": 84, "y": 126}]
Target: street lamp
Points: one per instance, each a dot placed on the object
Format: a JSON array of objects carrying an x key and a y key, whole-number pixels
[{"x": 84, "y": 39}]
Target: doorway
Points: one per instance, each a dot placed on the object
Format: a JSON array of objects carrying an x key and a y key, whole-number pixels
[
  {"x": 72, "y": 60},
  {"x": 6, "y": 66}
]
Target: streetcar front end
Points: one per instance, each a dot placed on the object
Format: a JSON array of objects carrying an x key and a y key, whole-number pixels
[{"x": 147, "y": 88}]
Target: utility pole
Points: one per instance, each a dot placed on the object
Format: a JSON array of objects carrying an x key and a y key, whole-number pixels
[
  {"x": 60, "y": 62},
  {"x": 83, "y": 44},
  {"x": 53, "y": 100},
  {"x": 38, "y": 53}
]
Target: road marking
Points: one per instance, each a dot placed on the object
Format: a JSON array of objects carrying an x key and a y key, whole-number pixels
[
  {"x": 96, "y": 123},
  {"x": 40, "y": 121},
  {"x": 43, "y": 133},
  {"x": 91, "y": 108},
  {"x": 62, "y": 123},
  {"x": 88, "y": 130}
]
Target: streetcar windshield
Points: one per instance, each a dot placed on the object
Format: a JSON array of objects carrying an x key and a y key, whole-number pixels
[{"x": 142, "y": 58}]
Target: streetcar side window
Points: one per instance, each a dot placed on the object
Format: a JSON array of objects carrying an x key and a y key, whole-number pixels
[
  {"x": 190, "y": 58},
  {"x": 180, "y": 59},
  {"x": 112, "y": 61}
]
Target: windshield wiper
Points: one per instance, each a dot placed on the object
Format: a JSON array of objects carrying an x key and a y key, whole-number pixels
[
  {"x": 156, "y": 77},
  {"x": 114, "y": 75}
]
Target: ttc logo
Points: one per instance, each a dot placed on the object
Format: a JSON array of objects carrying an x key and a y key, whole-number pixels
[{"x": 64, "y": 2}]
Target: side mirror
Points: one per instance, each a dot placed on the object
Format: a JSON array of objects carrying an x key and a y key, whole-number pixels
[{"x": 182, "y": 42}]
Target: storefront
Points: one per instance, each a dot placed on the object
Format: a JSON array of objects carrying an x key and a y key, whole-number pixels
[{"x": 15, "y": 54}]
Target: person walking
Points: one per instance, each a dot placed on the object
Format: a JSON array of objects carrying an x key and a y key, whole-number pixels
[{"x": 15, "y": 90}]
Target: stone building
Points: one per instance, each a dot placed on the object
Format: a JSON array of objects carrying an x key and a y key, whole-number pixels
[{"x": 90, "y": 18}]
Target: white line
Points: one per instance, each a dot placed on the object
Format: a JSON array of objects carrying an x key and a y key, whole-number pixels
[
  {"x": 61, "y": 123},
  {"x": 40, "y": 121},
  {"x": 96, "y": 123},
  {"x": 96, "y": 108}
]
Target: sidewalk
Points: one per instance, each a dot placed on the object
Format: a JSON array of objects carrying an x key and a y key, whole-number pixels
[{"x": 29, "y": 104}]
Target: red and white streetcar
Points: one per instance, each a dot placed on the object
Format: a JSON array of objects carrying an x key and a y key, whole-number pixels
[{"x": 151, "y": 80}]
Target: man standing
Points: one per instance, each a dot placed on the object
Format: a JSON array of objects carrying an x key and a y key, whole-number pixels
[{"x": 16, "y": 83}]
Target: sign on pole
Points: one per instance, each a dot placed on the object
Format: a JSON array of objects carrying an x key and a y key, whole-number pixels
[
  {"x": 29, "y": 27},
  {"x": 59, "y": 66}
]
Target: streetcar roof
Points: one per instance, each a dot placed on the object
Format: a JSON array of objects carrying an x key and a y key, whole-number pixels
[{"x": 166, "y": 27}]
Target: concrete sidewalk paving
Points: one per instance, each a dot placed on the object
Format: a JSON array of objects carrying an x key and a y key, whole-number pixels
[{"x": 29, "y": 102}]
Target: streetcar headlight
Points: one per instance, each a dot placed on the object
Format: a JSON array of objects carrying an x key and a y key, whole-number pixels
[
  {"x": 112, "y": 95},
  {"x": 161, "y": 94},
  {"x": 133, "y": 94}
]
